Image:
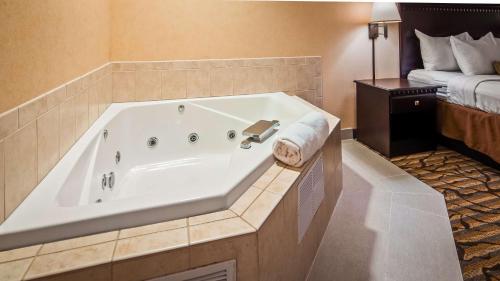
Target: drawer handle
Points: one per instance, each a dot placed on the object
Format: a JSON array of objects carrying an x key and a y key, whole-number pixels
[{"x": 417, "y": 103}]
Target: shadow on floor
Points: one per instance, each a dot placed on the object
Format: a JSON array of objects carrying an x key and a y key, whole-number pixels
[{"x": 350, "y": 249}]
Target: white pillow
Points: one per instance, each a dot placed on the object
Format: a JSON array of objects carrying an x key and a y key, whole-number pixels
[
  {"x": 476, "y": 57},
  {"x": 437, "y": 53}
]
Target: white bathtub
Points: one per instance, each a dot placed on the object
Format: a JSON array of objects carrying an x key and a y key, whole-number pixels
[{"x": 173, "y": 179}]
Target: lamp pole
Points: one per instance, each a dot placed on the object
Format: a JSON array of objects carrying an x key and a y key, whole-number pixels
[{"x": 373, "y": 60}]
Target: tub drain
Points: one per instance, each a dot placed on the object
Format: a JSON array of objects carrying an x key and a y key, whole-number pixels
[{"x": 193, "y": 137}]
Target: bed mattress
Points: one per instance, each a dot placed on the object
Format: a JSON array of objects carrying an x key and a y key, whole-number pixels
[{"x": 486, "y": 94}]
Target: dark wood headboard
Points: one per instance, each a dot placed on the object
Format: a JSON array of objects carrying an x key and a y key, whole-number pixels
[{"x": 441, "y": 20}]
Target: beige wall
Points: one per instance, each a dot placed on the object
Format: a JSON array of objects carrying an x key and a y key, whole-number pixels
[
  {"x": 44, "y": 43},
  {"x": 199, "y": 29}
]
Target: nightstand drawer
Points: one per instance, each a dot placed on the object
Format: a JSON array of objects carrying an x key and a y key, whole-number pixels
[{"x": 407, "y": 104}]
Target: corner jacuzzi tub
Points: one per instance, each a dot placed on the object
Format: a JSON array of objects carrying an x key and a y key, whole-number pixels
[{"x": 147, "y": 162}]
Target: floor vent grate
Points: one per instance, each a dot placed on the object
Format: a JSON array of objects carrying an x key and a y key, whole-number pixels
[
  {"x": 224, "y": 271},
  {"x": 311, "y": 194}
]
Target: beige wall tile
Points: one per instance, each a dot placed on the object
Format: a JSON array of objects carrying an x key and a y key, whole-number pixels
[
  {"x": 151, "y": 243},
  {"x": 285, "y": 78},
  {"x": 147, "y": 85},
  {"x": 153, "y": 65},
  {"x": 2, "y": 184},
  {"x": 198, "y": 83},
  {"x": 174, "y": 84},
  {"x": 31, "y": 110},
  {"x": 233, "y": 62},
  {"x": 67, "y": 124},
  {"x": 8, "y": 122},
  {"x": 185, "y": 64},
  {"x": 123, "y": 86},
  {"x": 316, "y": 63},
  {"x": 243, "y": 81},
  {"x": 74, "y": 259},
  {"x": 56, "y": 97},
  {"x": 108, "y": 90},
  {"x": 261, "y": 208},
  {"x": 151, "y": 228},
  {"x": 262, "y": 79},
  {"x": 14, "y": 270},
  {"x": 332, "y": 157},
  {"x": 319, "y": 102},
  {"x": 313, "y": 60},
  {"x": 19, "y": 253},
  {"x": 101, "y": 95},
  {"x": 78, "y": 242},
  {"x": 295, "y": 60},
  {"x": 151, "y": 266},
  {"x": 290, "y": 208},
  {"x": 306, "y": 95},
  {"x": 95, "y": 76},
  {"x": 245, "y": 200},
  {"x": 123, "y": 66},
  {"x": 108, "y": 69},
  {"x": 283, "y": 181},
  {"x": 48, "y": 142},
  {"x": 241, "y": 248},
  {"x": 305, "y": 77},
  {"x": 81, "y": 113},
  {"x": 95, "y": 273},
  {"x": 262, "y": 61},
  {"x": 77, "y": 86},
  {"x": 20, "y": 166},
  {"x": 221, "y": 82},
  {"x": 268, "y": 176},
  {"x": 219, "y": 63},
  {"x": 274, "y": 257},
  {"x": 93, "y": 102},
  {"x": 318, "y": 85},
  {"x": 105, "y": 93},
  {"x": 73, "y": 88},
  {"x": 217, "y": 230},
  {"x": 290, "y": 241},
  {"x": 210, "y": 217}
]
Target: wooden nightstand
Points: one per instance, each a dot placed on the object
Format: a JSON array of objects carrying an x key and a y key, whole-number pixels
[{"x": 396, "y": 116}]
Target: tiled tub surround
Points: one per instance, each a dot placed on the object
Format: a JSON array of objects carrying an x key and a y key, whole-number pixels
[
  {"x": 37, "y": 134},
  {"x": 259, "y": 231},
  {"x": 151, "y": 184},
  {"x": 141, "y": 81}
]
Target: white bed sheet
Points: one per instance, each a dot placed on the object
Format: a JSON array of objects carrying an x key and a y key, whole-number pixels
[
  {"x": 487, "y": 94},
  {"x": 440, "y": 78}
]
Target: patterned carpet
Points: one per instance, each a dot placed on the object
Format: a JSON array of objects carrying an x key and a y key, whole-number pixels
[{"x": 472, "y": 193}]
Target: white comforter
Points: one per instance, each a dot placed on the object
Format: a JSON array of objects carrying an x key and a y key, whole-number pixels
[{"x": 464, "y": 90}]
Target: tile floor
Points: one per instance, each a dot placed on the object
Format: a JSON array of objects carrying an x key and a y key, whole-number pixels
[{"x": 386, "y": 226}]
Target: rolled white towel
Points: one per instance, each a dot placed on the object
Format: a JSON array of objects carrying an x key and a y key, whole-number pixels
[
  {"x": 318, "y": 122},
  {"x": 298, "y": 142}
]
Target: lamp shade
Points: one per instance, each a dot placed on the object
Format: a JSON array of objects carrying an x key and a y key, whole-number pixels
[{"x": 385, "y": 12}]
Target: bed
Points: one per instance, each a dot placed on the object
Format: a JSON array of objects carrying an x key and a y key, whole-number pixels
[
  {"x": 480, "y": 92},
  {"x": 468, "y": 108}
]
